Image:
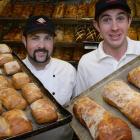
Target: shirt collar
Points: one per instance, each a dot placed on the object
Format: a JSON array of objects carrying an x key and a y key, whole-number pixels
[{"x": 130, "y": 50}]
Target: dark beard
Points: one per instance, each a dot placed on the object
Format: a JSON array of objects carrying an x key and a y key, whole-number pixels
[{"x": 40, "y": 50}]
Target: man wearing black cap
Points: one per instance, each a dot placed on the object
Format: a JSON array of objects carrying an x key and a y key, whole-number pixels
[
  {"x": 112, "y": 20},
  {"x": 56, "y": 75}
]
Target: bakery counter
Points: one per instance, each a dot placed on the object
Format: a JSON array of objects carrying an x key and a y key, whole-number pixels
[{"x": 95, "y": 93}]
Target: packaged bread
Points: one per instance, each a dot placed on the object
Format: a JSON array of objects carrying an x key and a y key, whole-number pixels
[
  {"x": 137, "y": 4},
  {"x": 134, "y": 76},
  {"x": 31, "y": 92},
  {"x": 44, "y": 111},
  {"x": 82, "y": 10},
  {"x": 4, "y": 48},
  {"x": 5, "y": 130},
  {"x": 4, "y": 58},
  {"x": 12, "y": 67},
  {"x": 101, "y": 124},
  {"x": 59, "y": 10},
  {"x": 18, "y": 121},
  {"x": 12, "y": 99},
  {"x": 132, "y": 33},
  {"x": 71, "y": 11},
  {"x": 118, "y": 94},
  {"x": 19, "y": 79}
]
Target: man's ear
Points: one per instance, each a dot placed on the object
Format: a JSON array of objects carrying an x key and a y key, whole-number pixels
[
  {"x": 96, "y": 25},
  {"x": 24, "y": 40},
  {"x": 130, "y": 20}
]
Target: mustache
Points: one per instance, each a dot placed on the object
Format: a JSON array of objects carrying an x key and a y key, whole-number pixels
[{"x": 41, "y": 50}]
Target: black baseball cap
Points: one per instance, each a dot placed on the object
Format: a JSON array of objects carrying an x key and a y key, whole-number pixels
[
  {"x": 102, "y": 5},
  {"x": 39, "y": 23}
]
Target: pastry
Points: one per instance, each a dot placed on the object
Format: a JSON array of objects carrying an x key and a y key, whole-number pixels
[
  {"x": 12, "y": 67},
  {"x": 101, "y": 124},
  {"x": 31, "y": 92},
  {"x": 19, "y": 79},
  {"x": 18, "y": 121},
  {"x": 44, "y": 111},
  {"x": 12, "y": 99},
  {"x": 118, "y": 94}
]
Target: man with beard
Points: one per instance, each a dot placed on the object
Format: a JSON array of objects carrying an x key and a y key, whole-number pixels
[
  {"x": 57, "y": 76},
  {"x": 112, "y": 20}
]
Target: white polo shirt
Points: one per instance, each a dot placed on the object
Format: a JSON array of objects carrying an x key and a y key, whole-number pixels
[
  {"x": 59, "y": 77},
  {"x": 96, "y": 65}
]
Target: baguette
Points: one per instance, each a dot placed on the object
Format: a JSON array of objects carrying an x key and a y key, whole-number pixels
[
  {"x": 118, "y": 94},
  {"x": 100, "y": 123}
]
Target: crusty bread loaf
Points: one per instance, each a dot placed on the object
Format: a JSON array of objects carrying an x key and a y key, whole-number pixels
[
  {"x": 134, "y": 76},
  {"x": 19, "y": 79},
  {"x": 6, "y": 57},
  {"x": 4, "y": 48},
  {"x": 18, "y": 121},
  {"x": 11, "y": 99},
  {"x": 5, "y": 130},
  {"x": 31, "y": 92},
  {"x": 101, "y": 124},
  {"x": 43, "y": 111},
  {"x": 12, "y": 67},
  {"x": 118, "y": 94}
]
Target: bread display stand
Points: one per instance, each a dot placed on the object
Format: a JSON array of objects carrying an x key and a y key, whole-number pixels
[
  {"x": 95, "y": 92},
  {"x": 64, "y": 115}
]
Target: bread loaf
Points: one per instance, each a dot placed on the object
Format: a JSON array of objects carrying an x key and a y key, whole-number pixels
[
  {"x": 118, "y": 94},
  {"x": 134, "y": 76},
  {"x": 43, "y": 111},
  {"x": 18, "y": 121},
  {"x": 101, "y": 124}
]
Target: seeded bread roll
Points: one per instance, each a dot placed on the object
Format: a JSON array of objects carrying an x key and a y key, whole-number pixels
[
  {"x": 100, "y": 123},
  {"x": 118, "y": 94}
]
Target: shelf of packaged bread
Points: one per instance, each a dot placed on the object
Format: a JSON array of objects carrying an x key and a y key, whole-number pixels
[
  {"x": 61, "y": 20},
  {"x": 56, "y": 44}
]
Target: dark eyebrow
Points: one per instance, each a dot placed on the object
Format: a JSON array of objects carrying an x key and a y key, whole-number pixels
[{"x": 107, "y": 15}]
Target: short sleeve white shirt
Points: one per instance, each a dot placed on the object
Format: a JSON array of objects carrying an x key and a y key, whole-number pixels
[{"x": 96, "y": 65}]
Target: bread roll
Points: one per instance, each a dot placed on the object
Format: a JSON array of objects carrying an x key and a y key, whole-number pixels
[
  {"x": 3, "y": 82},
  {"x": 12, "y": 67},
  {"x": 12, "y": 99},
  {"x": 19, "y": 79},
  {"x": 118, "y": 94},
  {"x": 5, "y": 130},
  {"x": 4, "y": 58},
  {"x": 31, "y": 92},
  {"x": 43, "y": 111},
  {"x": 134, "y": 76},
  {"x": 101, "y": 124},
  {"x": 18, "y": 121},
  {"x": 4, "y": 48}
]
